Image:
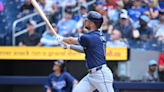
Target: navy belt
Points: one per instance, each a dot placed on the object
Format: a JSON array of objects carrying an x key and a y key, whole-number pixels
[{"x": 95, "y": 69}]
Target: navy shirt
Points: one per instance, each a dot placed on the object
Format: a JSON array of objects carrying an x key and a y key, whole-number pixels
[
  {"x": 146, "y": 33},
  {"x": 126, "y": 30},
  {"x": 63, "y": 83},
  {"x": 94, "y": 44}
]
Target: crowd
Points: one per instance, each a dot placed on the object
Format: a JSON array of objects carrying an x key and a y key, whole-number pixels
[
  {"x": 141, "y": 20},
  {"x": 124, "y": 20}
]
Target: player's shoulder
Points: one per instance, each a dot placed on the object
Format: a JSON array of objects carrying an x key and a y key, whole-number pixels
[
  {"x": 66, "y": 74},
  {"x": 51, "y": 75},
  {"x": 86, "y": 35}
]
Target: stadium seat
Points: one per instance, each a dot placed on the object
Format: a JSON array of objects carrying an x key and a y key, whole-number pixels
[
  {"x": 107, "y": 37},
  {"x": 152, "y": 45},
  {"x": 40, "y": 30},
  {"x": 2, "y": 14},
  {"x": 135, "y": 44},
  {"x": 2, "y": 20},
  {"x": 2, "y": 37}
]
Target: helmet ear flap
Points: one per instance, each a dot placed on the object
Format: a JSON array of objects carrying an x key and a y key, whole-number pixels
[{"x": 63, "y": 67}]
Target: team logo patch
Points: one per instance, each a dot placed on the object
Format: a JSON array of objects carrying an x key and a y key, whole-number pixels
[
  {"x": 58, "y": 84},
  {"x": 54, "y": 83}
]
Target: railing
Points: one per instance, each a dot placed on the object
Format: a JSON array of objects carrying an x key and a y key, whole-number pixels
[
  {"x": 14, "y": 35},
  {"x": 88, "y": 3}
]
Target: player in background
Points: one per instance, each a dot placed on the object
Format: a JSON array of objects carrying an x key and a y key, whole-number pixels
[
  {"x": 93, "y": 44},
  {"x": 59, "y": 80}
]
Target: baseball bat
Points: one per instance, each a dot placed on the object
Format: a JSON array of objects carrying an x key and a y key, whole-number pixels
[{"x": 37, "y": 7}]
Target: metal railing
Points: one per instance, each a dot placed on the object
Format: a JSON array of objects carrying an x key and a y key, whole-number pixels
[
  {"x": 14, "y": 35},
  {"x": 88, "y": 3}
]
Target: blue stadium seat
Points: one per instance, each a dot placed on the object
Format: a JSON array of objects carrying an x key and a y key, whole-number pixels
[
  {"x": 107, "y": 37},
  {"x": 38, "y": 19},
  {"x": 152, "y": 45},
  {"x": 2, "y": 14},
  {"x": 2, "y": 37},
  {"x": 40, "y": 30},
  {"x": 3, "y": 20},
  {"x": 162, "y": 48},
  {"x": 135, "y": 44}
]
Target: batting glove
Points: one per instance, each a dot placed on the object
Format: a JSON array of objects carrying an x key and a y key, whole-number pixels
[
  {"x": 59, "y": 39},
  {"x": 64, "y": 45}
]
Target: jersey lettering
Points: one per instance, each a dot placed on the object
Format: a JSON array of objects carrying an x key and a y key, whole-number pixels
[
  {"x": 59, "y": 84},
  {"x": 103, "y": 39}
]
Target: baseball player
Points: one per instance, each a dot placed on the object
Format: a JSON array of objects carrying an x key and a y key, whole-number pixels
[
  {"x": 93, "y": 44},
  {"x": 60, "y": 81}
]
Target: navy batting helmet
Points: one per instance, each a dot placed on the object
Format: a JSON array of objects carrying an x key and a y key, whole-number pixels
[
  {"x": 94, "y": 17},
  {"x": 61, "y": 64}
]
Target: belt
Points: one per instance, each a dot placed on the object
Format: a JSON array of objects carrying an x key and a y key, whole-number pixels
[{"x": 96, "y": 68}]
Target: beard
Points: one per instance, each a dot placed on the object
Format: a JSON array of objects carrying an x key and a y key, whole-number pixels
[
  {"x": 152, "y": 70},
  {"x": 87, "y": 27}
]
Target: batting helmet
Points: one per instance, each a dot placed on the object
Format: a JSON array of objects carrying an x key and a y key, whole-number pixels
[
  {"x": 61, "y": 64},
  {"x": 94, "y": 17}
]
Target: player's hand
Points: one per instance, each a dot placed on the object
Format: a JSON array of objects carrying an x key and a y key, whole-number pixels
[
  {"x": 59, "y": 39},
  {"x": 65, "y": 46}
]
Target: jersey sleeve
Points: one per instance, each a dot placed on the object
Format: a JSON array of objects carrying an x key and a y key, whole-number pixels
[
  {"x": 69, "y": 78},
  {"x": 84, "y": 40},
  {"x": 48, "y": 83},
  {"x": 161, "y": 59}
]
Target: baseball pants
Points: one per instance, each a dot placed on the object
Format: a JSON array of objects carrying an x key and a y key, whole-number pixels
[{"x": 102, "y": 80}]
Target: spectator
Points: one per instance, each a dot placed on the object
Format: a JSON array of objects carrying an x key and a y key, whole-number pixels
[
  {"x": 31, "y": 38},
  {"x": 106, "y": 27},
  {"x": 47, "y": 6},
  {"x": 59, "y": 80},
  {"x": 161, "y": 66},
  {"x": 124, "y": 26},
  {"x": 100, "y": 8},
  {"x": 127, "y": 4},
  {"x": 146, "y": 33},
  {"x": 66, "y": 3},
  {"x": 149, "y": 76},
  {"x": 25, "y": 9},
  {"x": 115, "y": 40},
  {"x": 110, "y": 4},
  {"x": 150, "y": 24},
  {"x": 152, "y": 8},
  {"x": 136, "y": 11},
  {"x": 79, "y": 18},
  {"x": 49, "y": 39},
  {"x": 114, "y": 14},
  {"x": 1, "y": 6},
  {"x": 67, "y": 24},
  {"x": 159, "y": 27},
  {"x": 161, "y": 5}
]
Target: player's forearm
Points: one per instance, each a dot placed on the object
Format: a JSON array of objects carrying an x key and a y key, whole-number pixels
[
  {"x": 70, "y": 40},
  {"x": 77, "y": 48}
]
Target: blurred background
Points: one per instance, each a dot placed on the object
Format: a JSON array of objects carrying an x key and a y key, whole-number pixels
[{"x": 134, "y": 28}]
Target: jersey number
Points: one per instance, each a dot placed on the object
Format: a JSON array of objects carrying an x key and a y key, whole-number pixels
[{"x": 103, "y": 39}]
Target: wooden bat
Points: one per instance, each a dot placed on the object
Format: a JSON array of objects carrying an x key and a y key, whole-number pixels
[{"x": 37, "y": 7}]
